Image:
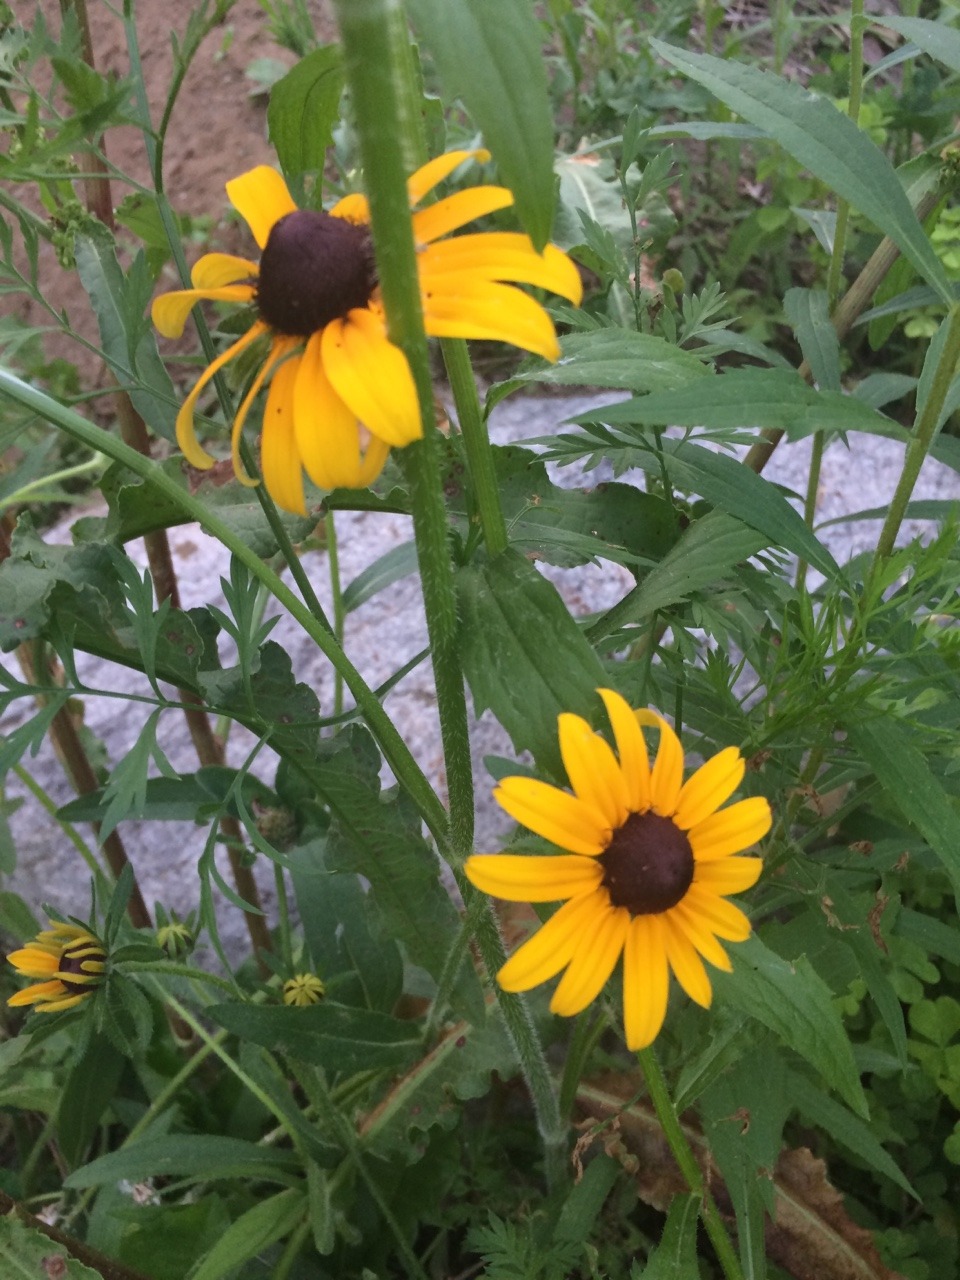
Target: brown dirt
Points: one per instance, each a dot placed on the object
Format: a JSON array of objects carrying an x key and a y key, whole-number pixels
[{"x": 217, "y": 130}]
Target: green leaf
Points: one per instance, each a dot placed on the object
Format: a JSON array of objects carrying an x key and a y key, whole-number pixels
[
  {"x": 524, "y": 656},
  {"x": 908, "y": 781},
  {"x": 304, "y": 107},
  {"x": 929, "y": 933},
  {"x": 192, "y": 797},
  {"x": 938, "y": 39},
  {"x": 91, "y": 1087},
  {"x": 341, "y": 1039},
  {"x": 197, "y": 1156},
  {"x": 808, "y": 310},
  {"x": 843, "y": 1126},
  {"x": 253, "y": 1231},
  {"x": 614, "y": 358},
  {"x": 675, "y": 1257},
  {"x": 397, "y": 563},
  {"x": 488, "y": 55},
  {"x": 825, "y": 141},
  {"x": 27, "y": 1253},
  {"x": 16, "y": 918},
  {"x": 797, "y": 1006}
]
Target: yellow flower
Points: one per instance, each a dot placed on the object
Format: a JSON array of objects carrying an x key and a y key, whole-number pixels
[
  {"x": 69, "y": 959},
  {"x": 341, "y": 393},
  {"x": 303, "y": 989},
  {"x": 649, "y": 864}
]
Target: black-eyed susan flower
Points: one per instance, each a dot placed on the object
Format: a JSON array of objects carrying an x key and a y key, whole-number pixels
[
  {"x": 649, "y": 864},
  {"x": 303, "y": 989},
  {"x": 69, "y": 960},
  {"x": 341, "y": 394}
]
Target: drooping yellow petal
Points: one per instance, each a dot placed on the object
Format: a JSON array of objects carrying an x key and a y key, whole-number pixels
[
  {"x": 279, "y": 455},
  {"x": 169, "y": 311},
  {"x": 592, "y": 769},
  {"x": 728, "y": 875},
  {"x": 550, "y": 949},
  {"x": 701, "y": 936},
  {"x": 34, "y": 962},
  {"x": 352, "y": 208},
  {"x": 186, "y": 436},
  {"x": 731, "y": 830},
  {"x": 518, "y": 877},
  {"x": 280, "y": 348},
  {"x": 453, "y": 211},
  {"x": 686, "y": 963},
  {"x": 261, "y": 198},
  {"x": 57, "y": 1006},
  {"x": 562, "y": 819},
  {"x": 631, "y": 748},
  {"x": 328, "y": 434},
  {"x": 39, "y": 991},
  {"x": 472, "y": 308},
  {"x": 598, "y": 951},
  {"x": 434, "y": 171},
  {"x": 214, "y": 270},
  {"x": 666, "y": 777},
  {"x": 502, "y": 255},
  {"x": 711, "y": 786},
  {"x": 374, "y": 459},
  {"x": 372, "y": 377},
  {"x": 719, "y": 915},
  {"x": 646, "y": 981}
]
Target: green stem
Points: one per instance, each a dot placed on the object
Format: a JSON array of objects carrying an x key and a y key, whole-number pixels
[
  {"x": 68, "y": 829},
  {"x": 476, "y": 442},
  {"x": 398, "y": 756},
  {"x": 683, "y": 1154},
  {"x": 333, "y": 559},
  {"x": 371, "y": 33},
  {"x": 921, "y": 440},
  {"x": 283, "y": 917},
  {"x": 168, "y": 969}
]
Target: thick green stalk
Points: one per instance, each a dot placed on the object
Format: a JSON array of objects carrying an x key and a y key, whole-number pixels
[
  {"x": 923, "y": 435},
  {"x": 336, "y": 591},
  {"x": 398, "y": 756},
  {"x": 369, "y": 30},
  {"x": 683, "y": 1154},
  {"x": 473, "y": 429}
]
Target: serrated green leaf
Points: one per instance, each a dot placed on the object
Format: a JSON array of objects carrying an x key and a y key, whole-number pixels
[
  {"x": 618, "y": 359},
  {"x": 253, "y": 1231},
  {"x": 808, "y": 311},
  {"x": 909, "y": 783},
  {"x": 27, "y": 1253},
  {"x": 89, "y": 1090},
  {"x": 822, "y": 139},
  {"x": 675, "y": 1257},
  {"x": 341, "y": 1039},
  {"x": 197, "y": 1156},
  {"x": 797, "y": 1005},
  {"x": 488, "y": 55},
  {"x": 304, "y": 107},
  {"x": 187, "y": 798},
  {"x": 524, "y": 656}
]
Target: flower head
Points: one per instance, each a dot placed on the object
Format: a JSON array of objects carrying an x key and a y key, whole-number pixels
[
  {"x": 69, "y": 959},
  {"x": 341, "y": 394},
  {"x": 303, "y": 989},
  {"x": 650, "y": 863}
]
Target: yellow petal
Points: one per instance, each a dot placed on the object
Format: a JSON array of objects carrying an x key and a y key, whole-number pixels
[
  {"x": 731, "y": 830},
  {"x": 279, "y": 456},
  {"x": 352, "y": 208},
  {"x": 728, "y": 875},
  {"x": 646, "y": 981},
  {"x": 374, "y": 460},
  {"x": 261, "y": 198},
  {"x": 518, "y": 877},
  {"x": 170, "y": 310},
  {"x": 631, "y": 748},
  {"x": 472, "y": 308},
  {"x": 666, "y": 776},
  {"x": 280, "y": 348},
  {"x": 559, "y": 817},
  {"x": 328, "y": 434},
  {"x": 434, "y": 171},
  {"x": 502, "y": 255},
  {"x": 186, "y": 436},
  {"x": 453, "y": 211},
  {"x": 39, "y": 991},
  {"x": 216, "y": 269},
  {"x": 546, "y": 953},
  {"x": 592, "y": 769},
  {"x": 34, "y": 962},
  {"x": 686, "y": 963},
  {"x": 700, "y": 936},
  {"x": 592, "y": 963},
  {"x": 372, "y": 377},
  {"x": 711, "y": 786},
  {"x": 57, "y": 1006},
  {"x": 717, "y": 914}
]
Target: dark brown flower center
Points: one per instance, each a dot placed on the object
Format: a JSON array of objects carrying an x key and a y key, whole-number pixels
[
  {"x": 75, "y": 955},
  {"x": 648, "y": 865},
  {"x": 313, "y": 269}
]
